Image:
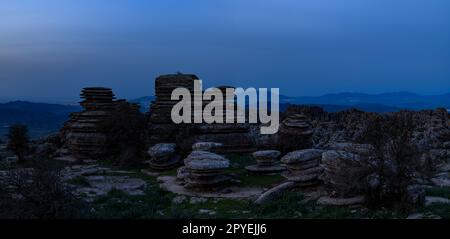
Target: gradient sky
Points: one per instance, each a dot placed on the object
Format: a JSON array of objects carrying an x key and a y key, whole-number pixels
[{"x": 52, "y": 48}]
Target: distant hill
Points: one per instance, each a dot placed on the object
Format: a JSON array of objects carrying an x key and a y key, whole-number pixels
[
  {"x": 41, "y": 118},
  {"x": 399, "y": 100},
  {"x": 386, "y": 102}
]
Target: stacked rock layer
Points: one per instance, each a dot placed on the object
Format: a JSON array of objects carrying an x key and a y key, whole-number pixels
[
  {"x": 204, "y": 170},
  {"x": 346, "y": 168},
  {"x": 234, "y": 137},
  {"x": 163, "y": 157},
  {"x": 295, "y": 133},
  {"x": 83, "y": 137},
  {"x": 303, "y": 166},
  {"x": 267, "y": 162},
  {"x": 161, "y": 127}
]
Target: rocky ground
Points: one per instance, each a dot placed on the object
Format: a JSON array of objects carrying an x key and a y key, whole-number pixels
[
  {"x": 324, "y": 181},
  {"x": 140, "y": 193}
]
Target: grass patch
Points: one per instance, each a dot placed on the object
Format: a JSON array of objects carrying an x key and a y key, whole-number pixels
[
  {"x": 441, "y": 210},
  {"x": 260, "y": 180},
  {"x": 80, "y": 181},
  {"x": 291, "y": 206},
  {"x": 118, "y": 205},
  {"x": 439, "y": 192},
  {"x": 171, "y": 172},
  {"x": 237, "y": 169}
]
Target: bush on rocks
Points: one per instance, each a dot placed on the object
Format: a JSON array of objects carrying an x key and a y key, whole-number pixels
[
  {"x": 395, "y": 163},
  {"x": 125, "y": 132}
]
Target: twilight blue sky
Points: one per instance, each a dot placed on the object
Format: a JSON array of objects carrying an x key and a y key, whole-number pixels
[{"x": 52, "y": 48}]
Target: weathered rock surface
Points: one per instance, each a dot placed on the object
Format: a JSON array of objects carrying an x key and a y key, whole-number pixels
[
  {"x": 295, "y": 133},
  {"x": 329, "y": 201},
  {"x": 345, "y": 173},
  {"x": 171, "y": 184},
  {"x": 101, "y": 185},
  {"x": 301, "y": 156},
  {"x": 274, "y": 192},
  {"x": 91, "y": 181},
  {"x": 163, "y": 157},
  {"x": 206, "y": 146},
  {"x": 203, "y": 160},
  {"x": 436, "y": 200},
  {"x": 267, "y": 162},
  {"x": 204, "y": 170},
  {"x": 303, "y": 166},
  {"x": 81, "y": 133},
  {"x": 266, "y": 155}
]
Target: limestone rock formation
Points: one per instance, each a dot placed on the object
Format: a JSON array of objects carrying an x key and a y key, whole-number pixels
[
  {"x": 161, "y": 127},
  {"x": 303, "y": 166},
  {"x": 346, "y": 171},
  {"x": 267, "y": 162},
  {"x": 235, "y": 138},
  {"x": 205, "y": 170},
  {"x": 296, "y": 124},
  {"x": 295, "y": 133},
  {"x": 206, "y": 146},
  {"x": 163, "y": 157},
  {"x": 82, "y": 135}
]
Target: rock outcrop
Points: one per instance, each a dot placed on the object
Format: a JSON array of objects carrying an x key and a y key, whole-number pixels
[
  {"x": 295, "y": 133},
  {"x": 206, "y": 146},
  {"x": 303, "y": 166},
  {"x": 82, "y": 135},
  {"x": 205, "y": 170},
  {"x": 267, "y": 162},
  {"x": 161, "y": 127},
  {"x": 235, "y": 137},
  {"x": 163, "y": 157}
]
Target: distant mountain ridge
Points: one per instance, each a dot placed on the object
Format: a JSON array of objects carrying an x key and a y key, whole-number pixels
[
  {"x": 401, "y": 100},
  {"x": 384, "y": 102},
  {"x": 41, "y": 118},
  {"x": 44, "y": 118}
]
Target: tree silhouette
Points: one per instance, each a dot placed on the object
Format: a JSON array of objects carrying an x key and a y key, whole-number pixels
[{"x": 18, "y": 141}]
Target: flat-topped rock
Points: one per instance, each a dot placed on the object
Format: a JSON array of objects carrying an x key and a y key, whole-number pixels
[
  {"x": 344, "y": 172},
  {"x": 303, "y": 167},
  {"x": 266, "y": 155},
  {"x": 361, "y": 149},
  {"x": 204, "y": 160},
  {"x": 163, "y": 157},
  {"x": 266, "y": 162},
  {"x": 265, "y": 169},
  {"x": 161, "y": 150},
  {"x": 81, "y": 133},
  {"x": 330, "y": 201},
  {"x": 174, "y": 185},
  {"x": 204, "y": 170},
  {"x": 206, "y": 146},
  {"x": 296, "y": 124},
  {"x": 302, "y": 156}
]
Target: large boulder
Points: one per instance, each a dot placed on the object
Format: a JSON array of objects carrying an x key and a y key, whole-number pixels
[
  {"x": 345, "y": 173},
  {"x": 163, "y": 157},
  {"x": 266, "y": 162},
  {"x": 161, "y": 150},
  {"x": 301, "y": 156},
  {"x": 203, "y": 160},
  {"x": 204, "y": 170},
  {"x": 303, "y": 166}
]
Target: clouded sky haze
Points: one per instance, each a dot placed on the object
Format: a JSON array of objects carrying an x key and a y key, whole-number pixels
[{"x": 53, "y": 48}]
